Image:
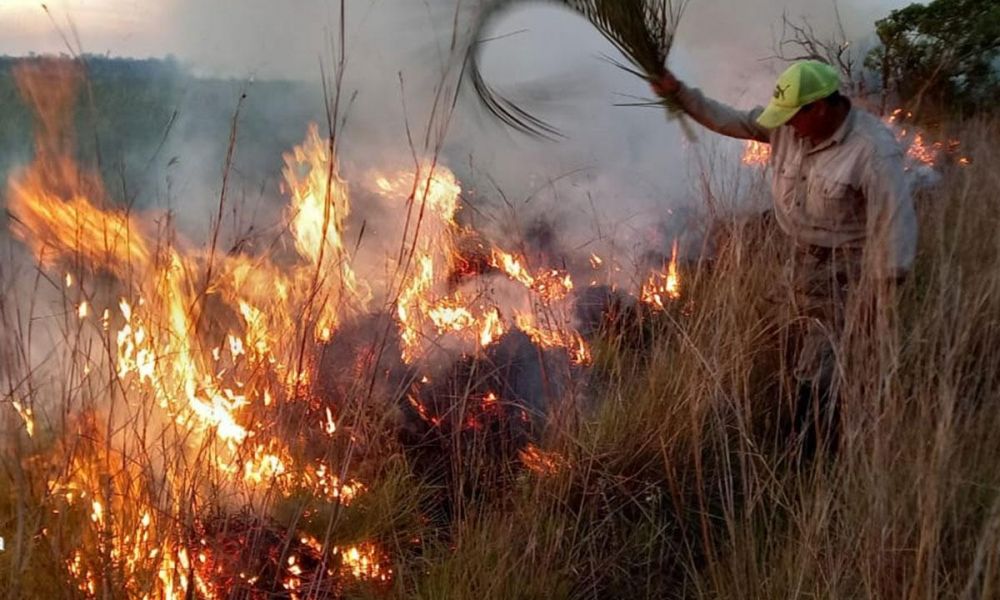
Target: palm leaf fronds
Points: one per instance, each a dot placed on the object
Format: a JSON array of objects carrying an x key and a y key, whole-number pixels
[{"x": 641, "y": 30}]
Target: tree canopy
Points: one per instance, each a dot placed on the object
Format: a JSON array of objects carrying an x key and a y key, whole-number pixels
[{"x": 941, "y": 56}]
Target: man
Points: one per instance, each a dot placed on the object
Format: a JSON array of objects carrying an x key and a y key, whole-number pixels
[{"x": 841, "y": 197}]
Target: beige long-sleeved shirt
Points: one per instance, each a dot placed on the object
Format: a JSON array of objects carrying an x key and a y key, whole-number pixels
[{"x": 849, "y": 191}]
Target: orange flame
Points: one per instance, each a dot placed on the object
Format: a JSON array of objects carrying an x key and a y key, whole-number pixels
[
  {"x": 450, "y": 315},
  {"x": 756, "y": 154},
  {"x": 491, "y": 329},
  {"x": 918, "y": 150},
  {"x": 212, "y": 348},
  {"x": 541, "y": 461},
  {"x": 660, "y": 288},
  {"x": 160, "y": 364},
  {"x": 363, "y": 561},
  {"x": 550, "y": 285},
  {"x": 555, "y": 337},
  {"x": 320, "y": 206}
]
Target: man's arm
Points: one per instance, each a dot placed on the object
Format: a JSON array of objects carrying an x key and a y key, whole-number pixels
[
  {"x": 892, "y": 219},
  {"x": 713, "y": 115}
]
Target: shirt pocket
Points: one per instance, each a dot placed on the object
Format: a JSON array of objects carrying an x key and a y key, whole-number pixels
[
  {"x": 789, "y": 187},
  {"x": 835, "y": 201}
]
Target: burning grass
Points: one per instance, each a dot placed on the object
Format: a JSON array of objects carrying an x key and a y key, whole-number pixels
[
  {"x": 182, "y": 423},
  {"x": 921, "y": 154}
]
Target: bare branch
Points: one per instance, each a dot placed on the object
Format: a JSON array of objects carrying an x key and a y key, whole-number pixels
[{"x": 800, "y": 41}]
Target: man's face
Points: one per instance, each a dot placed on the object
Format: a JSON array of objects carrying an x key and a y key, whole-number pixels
[{"x": 811, "y": 120}]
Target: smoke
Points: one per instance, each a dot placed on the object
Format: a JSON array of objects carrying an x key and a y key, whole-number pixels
[
  {"x": 615, "y": 185},
  {"x": 619, "y": 169}
]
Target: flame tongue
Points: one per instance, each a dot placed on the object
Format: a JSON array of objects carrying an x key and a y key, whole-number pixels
[
  {"x": 52, "y": 201},
  {"x": 663, "y": 287},
  {"x": 550, "y": 285},
  {"x": 319, "y": 209}
]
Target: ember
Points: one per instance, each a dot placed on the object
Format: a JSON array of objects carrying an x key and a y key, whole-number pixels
[{"x": 540, "y": 461}]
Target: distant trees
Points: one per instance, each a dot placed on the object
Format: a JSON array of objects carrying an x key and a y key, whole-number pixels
[
  {"x": 137, "y": 119},
  {"x": 120, "y": 119}
]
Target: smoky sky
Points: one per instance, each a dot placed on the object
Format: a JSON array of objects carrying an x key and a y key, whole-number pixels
[{"x": 623, "y": 165}]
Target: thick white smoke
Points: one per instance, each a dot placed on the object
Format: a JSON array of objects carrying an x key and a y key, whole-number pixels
[{"x": 622, "y": 168}]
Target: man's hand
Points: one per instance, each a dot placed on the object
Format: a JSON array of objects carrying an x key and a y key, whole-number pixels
[{"x": 666, "y": 86}]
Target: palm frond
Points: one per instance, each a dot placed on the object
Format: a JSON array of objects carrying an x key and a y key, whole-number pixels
[{"x": 641, "y": 30}]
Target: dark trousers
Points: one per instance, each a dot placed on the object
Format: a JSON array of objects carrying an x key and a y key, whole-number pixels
[{"x": 819, "y": 283}]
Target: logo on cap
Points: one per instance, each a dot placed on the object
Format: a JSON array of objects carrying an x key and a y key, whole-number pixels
[{"x": 779, "y": 92}]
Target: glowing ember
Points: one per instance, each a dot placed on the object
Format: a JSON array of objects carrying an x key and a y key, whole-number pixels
[
  {"x": 326, "y": 484},
  {"x": 920, "y": 152},
  {"x": 540, "y": 461},
  {"x": 363, "y": 562},
  {"x": 422, "y": 411},
  {"x": 923, "y": 153}
]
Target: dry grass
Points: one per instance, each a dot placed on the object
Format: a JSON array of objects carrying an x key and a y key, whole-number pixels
[{"x": 677, "y": 482}]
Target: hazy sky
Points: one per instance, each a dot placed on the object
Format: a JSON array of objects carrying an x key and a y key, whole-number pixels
[
  {"x": 630, "y": 158},
  {"x": 272, "y": 36},
  {"x": 721, "y": 42}
]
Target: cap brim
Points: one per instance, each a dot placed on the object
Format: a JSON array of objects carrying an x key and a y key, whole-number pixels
[{"x": 775, "y": 116}]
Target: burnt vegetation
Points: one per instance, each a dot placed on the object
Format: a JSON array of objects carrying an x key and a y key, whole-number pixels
[{"x": 660, "y": 464}]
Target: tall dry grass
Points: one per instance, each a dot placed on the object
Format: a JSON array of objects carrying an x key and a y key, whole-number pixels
[
  {"x": 684, "y": 481},
  {"x": 679, "y": 479}
]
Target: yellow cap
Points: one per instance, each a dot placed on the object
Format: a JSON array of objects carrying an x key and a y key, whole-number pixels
[{"x": 802, "y": 83}]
